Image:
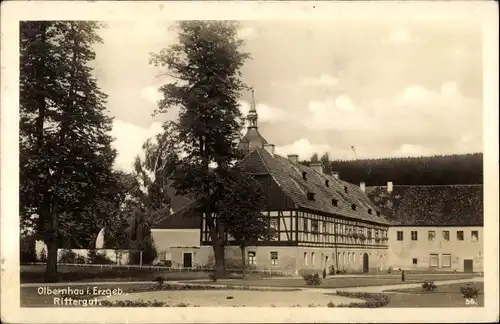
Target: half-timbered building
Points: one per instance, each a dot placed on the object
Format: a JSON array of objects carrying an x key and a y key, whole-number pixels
[{"x": 321, "y": 222}]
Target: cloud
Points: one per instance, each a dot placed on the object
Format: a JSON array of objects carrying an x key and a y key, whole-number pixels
[
  {"x": 400, "y": 35},
  {"x": 412, "y": 150},
  {"x": 335, "y": 113},
  {"x": 128, "y": 142},
  {"x": 303, "y": 148},
  {"x": 321, "y": 80},
  {"x": 266, "y": 113},
  {"x": 151, "y": 94},
  {"x": 246, "y": 33}
]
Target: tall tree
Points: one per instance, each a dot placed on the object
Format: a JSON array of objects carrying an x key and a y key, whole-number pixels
[
  {"x": 206, "y": 62},
  {"x": 242, "y": 208},
  {"x": 325, "y": 159},
  {"x": 315, "y": 157},
  {"x": 65, "y": 153}
]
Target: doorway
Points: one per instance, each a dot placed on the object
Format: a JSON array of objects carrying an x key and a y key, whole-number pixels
[
  {"x": 188, "y": 260},
  {"x": 468, "y": 265},
  {"x": 365, "y": 263}
]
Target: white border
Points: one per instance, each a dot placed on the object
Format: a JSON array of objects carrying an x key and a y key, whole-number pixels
[{"x": 12, "y": 12}]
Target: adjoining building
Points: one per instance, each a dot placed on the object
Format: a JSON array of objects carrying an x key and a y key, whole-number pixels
[
  {"x": 320, "y": 220},
  {"x": 433, "y": 227}
]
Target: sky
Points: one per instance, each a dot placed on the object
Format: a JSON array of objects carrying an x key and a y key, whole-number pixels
[{"x": 389, "y": 90}]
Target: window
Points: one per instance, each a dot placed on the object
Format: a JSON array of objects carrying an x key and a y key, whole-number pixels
[
  {"x": 369, "y": 211},
  {"x": 345, "y": 189},
  {"x": 251, "y": 258},
  {"x": 369, "y": 234},
  {"x": 474, "y": 236},
  {"x": 274, "y": 258},
  {"x": 414, "y": 260},
  {"x": 325, "y": 231},
  {"x": 310, "y": 196},
  {"x": 327, "y": 183},
  {"x": 353, "y": 206},
  {"x": 273, "y": 223},
  {"x": 433, "y": 261},
  {"x": 414, "y": 235},
  {"x": 314, "y": 226},
  {"x": 400, "y": 235},
  {"x": 312, "y": 258},
  {"x": 431, "y": 235},
  {"x": 446, "y": 260},
  {"x": 305, "y": 258},
  {"x": 335, "y": 202},
  {"x": 446, "y": 235},
  {"x": 304, "y": 175},
  {"x": 460, "y": 235},
  {"x": 306, "y": 228}
]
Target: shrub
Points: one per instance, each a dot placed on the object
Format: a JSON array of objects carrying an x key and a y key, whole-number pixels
[
  {"x": 429, "y": 286},
  {"x": 372, "y": 300},
  {"x": 338, "y": 272},
  {"x": 312, "y": 280},
  {"x": 43, "y": 255},
  {"x": 213, "y": 277},
  {"x": 331, "y": 270},
  {"x": 389, "y": 271},
  {"x": 68, "y": 256},
  {"x": 469, "y": 291},
  {"x": 98, "y": 258},
  {"x": 324, "y": 273},
  {"x": 160, "y": 280}
]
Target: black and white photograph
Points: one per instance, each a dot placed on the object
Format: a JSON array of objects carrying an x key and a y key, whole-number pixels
[{"x": 205, "y": 166}]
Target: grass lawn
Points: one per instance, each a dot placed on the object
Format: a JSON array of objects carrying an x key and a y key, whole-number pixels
[
  {"x": 443, "y": 296},
  {"x": 35, "y": 273},
  {"x": 342, "y": 282}
]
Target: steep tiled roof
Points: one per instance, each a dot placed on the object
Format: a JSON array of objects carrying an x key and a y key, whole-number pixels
[
  {"x": 186, "y": 218},
  {"x": 289, "y": 176},
  {"x": 453, "y": 205},
  {"x": 183, "y": 213}
]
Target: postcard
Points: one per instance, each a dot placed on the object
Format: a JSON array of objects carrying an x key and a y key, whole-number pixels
[{"x": 241, "y": 161}]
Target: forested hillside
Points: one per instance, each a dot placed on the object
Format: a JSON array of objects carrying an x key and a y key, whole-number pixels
[{"x": 427, "y": 170}]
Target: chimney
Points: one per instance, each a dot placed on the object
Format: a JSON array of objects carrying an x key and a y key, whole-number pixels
[
  {"x": 389, "y": 186},
  {"x": 335, "y": 174},
  {"x": 294, "y": 158},
  {"x": 317, "y": 166},
  {"x": 269, "y": 148},
  {"x": 362, "y": 185}
]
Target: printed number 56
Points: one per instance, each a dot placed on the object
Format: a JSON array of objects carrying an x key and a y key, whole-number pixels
[{"x": 470, "y": 301}]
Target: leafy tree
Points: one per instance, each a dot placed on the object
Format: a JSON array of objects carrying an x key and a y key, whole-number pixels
[
  {"x": 325, "y": 159},
  {"x": 206, "y": 62},
  {"x": 241, "y": 208},
  {"x": 65, "y": 153},
  {"x": 315, "y": 157}
]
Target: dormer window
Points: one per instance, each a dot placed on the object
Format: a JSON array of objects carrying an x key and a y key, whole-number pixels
[
  {"x": 345, "y": 189},
  {"x": 378, "y": 213},
  {"x": 304, "y": 175},
  {"x": 335, "y": 202},
  {"x": 327, "y": 183},
  {"x": 353, "y": 206},
  {"x": 369, "y": 211},
  {"x": 310, "y": 196}
]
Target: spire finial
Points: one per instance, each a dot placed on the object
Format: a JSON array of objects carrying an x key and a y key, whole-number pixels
[{"x": 252, "y": 114}]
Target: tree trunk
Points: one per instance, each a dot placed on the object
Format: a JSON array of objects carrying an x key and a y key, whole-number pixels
[
  {"x": 242, "y": 248},
  {"x": 51, "y": 269},
  {"x": 52, "y": 241},
  {"x": 220, "y": 266}
]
